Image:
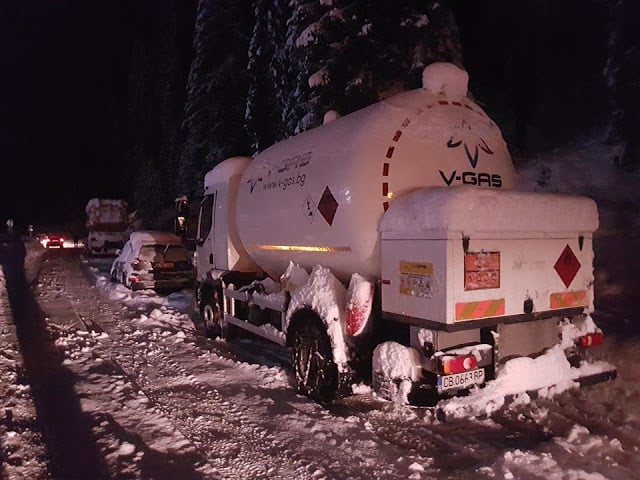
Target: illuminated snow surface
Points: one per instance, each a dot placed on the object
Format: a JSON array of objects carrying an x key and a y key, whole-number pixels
[{"x": 167, "y": 403}]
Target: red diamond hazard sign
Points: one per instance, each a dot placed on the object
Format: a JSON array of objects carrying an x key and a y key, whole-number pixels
[
  {"x": 567, "y": 266},
  {"x": 328, "y": 206}
]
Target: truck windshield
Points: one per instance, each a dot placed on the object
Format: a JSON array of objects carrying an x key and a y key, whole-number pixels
[{"x": 206, "y": 217}]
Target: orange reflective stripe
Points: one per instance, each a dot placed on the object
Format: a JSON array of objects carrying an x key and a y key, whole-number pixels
[
  {"x": 569, "y": 299},
  {"x": 482, "y": 309}
]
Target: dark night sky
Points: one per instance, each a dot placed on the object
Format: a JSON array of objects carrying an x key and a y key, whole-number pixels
[
  {"x": 63, "y": 73},
  {"x": 61, "y": 64}
]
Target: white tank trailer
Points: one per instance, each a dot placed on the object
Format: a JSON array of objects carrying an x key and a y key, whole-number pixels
[{"x": 392, "y": 245}]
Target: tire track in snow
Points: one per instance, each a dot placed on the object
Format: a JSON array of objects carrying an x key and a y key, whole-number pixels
[
  {"x": 253, "y": 431},
  {"x": 365, "y": 438},
  {"x": 135, "y": 441},
  {"x": 233, "y": 445}
]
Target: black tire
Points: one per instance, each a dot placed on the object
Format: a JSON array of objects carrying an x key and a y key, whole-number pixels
[
  {"x": 312, "y": 358},
  {"x": 212, "y": 316}
]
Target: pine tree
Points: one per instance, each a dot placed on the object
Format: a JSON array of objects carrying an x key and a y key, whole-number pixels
[
  {"x": 266, "y": 72},
  {"x": 156, "y": 97},
  {"x": 216, "y": 90},
  {"x": 623, "y": 71},
  {"x": 351, "y": 53},
  {"x": 302, "y": 55}
]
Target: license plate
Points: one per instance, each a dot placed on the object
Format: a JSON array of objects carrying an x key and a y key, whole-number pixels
[{"x": 459, "y": 381}]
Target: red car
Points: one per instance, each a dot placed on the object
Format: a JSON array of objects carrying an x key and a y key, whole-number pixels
[{"x": 49, "y": 241}]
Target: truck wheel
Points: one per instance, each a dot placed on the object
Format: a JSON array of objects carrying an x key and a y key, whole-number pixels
[
  {"x": 315, "y": 371},
  {"x": 212, "y": 317}
]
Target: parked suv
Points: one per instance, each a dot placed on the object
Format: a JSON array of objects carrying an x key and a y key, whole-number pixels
[{"x": 155, "y": 260}]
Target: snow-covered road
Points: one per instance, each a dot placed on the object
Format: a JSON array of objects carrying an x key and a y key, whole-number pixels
[{"x": 161, "y": 401}]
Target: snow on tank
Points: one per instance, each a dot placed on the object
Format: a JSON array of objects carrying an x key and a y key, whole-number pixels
[
  {"x": 224, "y": 171},
  {"x": 318, "y": 197},
  {"x": 447, "y": 79}
]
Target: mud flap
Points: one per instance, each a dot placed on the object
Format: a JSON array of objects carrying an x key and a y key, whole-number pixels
[
  {"x": 395, "y": 390},
  {"x": 599, "y": 377}
]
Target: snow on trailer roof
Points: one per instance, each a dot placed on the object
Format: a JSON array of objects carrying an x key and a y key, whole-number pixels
[
  {"x": 472, "y": 210},
  {"x": 96, "y": 203},
  {"x": 222, "y": 172},
  {"x": 150, "y": 237}
]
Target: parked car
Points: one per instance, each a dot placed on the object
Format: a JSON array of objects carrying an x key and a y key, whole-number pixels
[{"x": 155, "y": 260}]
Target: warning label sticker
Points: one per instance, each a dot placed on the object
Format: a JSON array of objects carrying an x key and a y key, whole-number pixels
[
  {"x": 416, "y": 279},
  {"x": 309, "y": 209}
]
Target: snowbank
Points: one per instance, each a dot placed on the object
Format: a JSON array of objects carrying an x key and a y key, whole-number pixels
[
  {"x": 33, "y": 260},
  {"x": 548, "y": 375}
]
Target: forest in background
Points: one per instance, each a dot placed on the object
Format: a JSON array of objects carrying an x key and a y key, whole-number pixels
[
  {"x": 139, "y": 98},
  {"x": 260, "y": 71}
]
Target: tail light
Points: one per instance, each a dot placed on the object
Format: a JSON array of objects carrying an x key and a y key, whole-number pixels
[
  {"x": 463, "y": 363},
  {"x": 591, "y": 339}
]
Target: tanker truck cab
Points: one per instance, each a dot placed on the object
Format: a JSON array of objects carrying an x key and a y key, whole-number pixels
[
  {"x": 220, "y": 256},
  {"x": 390, "y": 245}
]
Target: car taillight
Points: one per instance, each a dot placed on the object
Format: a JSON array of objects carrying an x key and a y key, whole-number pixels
[
  {"x": 133, "y": 279},
  {"x": 449, "y": 365},
  {"x": 591, "y": 339}
]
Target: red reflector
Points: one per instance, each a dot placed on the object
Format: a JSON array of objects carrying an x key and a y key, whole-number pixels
[
  {"x": 592, "y": 339},
  {"x": 359, "y": 301},
  {"x": 355, "y": 320},
  {"x": 459, "y": 364},
  {"x": 134, "y": 279}
]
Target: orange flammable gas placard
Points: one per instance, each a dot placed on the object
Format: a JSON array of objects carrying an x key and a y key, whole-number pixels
[
  {"x": 569, "y": 299},
  {"x": 482, "y": 309},
  {"x": 481, "y": 270}
]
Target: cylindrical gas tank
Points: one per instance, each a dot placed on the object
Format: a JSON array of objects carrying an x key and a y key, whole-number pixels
[{"x": 318, "y": 197}]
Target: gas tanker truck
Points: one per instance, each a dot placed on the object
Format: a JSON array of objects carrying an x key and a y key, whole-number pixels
[{"x": 392, "y": 245}]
